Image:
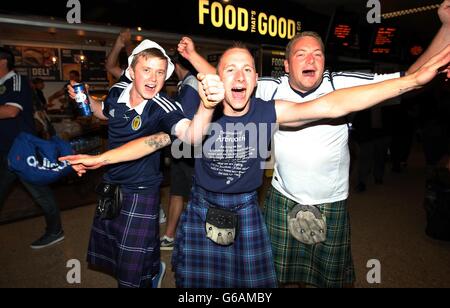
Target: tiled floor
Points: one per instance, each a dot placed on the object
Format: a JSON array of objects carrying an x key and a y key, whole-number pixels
[{"x": 387, "y": 225}]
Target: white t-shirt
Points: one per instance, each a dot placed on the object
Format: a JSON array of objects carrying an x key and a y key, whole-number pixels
[{"x": 312, "y": 163}]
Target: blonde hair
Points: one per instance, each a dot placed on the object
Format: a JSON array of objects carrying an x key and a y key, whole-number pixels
[{"x": 148, "y": 53}]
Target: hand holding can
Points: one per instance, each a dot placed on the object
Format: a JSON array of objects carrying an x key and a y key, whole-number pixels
[{"x": 82, "y": 99}]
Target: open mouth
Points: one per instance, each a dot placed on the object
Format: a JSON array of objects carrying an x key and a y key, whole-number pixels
[
  {"x": 150, "y": 87},
  {"x": 238, "y": 92},
  {"x": 309, "y": 73}
]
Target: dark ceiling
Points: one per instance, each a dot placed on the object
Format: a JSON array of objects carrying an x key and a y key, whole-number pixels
[
  {"x": 132, "y": 13},
  {"x": 423, "y": 24}
]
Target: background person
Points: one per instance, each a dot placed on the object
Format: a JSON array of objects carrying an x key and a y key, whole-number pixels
[{"x": 16, "y": 116}]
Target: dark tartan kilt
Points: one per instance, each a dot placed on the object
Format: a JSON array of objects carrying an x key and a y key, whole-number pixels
[
  {"x": 128, "y": 246},
  {"x": 324, "y": 265},
  {"x": 200, "y": 263}
]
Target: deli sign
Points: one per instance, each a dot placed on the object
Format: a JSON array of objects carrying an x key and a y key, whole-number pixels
[{"x": 241, "y": 19}]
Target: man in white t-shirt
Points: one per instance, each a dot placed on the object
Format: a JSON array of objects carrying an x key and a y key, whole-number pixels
[{"x": 312, "y": 163}]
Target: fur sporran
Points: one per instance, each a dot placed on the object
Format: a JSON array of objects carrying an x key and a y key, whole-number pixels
[
  {"x": 307, "y": 224},
  {"x": 221, "y": 226}
]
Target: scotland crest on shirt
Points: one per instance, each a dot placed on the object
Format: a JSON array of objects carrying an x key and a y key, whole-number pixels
[{"x": 137, "y": 123}]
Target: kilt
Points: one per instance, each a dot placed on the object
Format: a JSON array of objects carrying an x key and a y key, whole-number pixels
[
  {"x": 325, "y": 265},
  {"x": 128, "y": 246},
  {"x": 200, "y": 263}
]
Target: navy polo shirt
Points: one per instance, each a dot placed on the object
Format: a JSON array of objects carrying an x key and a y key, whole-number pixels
[
  {"x": 159, "y": 114},
  {"x": 123, "y": 80},
  {"x": 15, "y": 91},
  {"x": 188, "y": 95},
  {"x": 235, "y": 151}
]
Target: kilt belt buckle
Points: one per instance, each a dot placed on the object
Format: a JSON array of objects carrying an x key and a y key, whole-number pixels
[
  {"x": 221, "y": 226},
  {"x": 307, "y": 224}
]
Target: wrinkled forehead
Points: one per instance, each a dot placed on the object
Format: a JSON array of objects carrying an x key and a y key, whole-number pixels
[{"x": 236, "y": 56}]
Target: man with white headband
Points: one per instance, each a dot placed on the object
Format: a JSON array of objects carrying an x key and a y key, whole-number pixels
[{"x": 126, "y": 243}]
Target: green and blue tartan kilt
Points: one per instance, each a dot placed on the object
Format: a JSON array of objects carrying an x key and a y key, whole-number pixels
[
  {"x": 325, "y": 265},
  {"x": 128, "y": 246},
  {"x": 200, "y": 263}
]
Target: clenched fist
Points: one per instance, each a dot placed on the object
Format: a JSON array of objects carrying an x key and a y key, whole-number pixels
[{"x": 211, "y": 90}]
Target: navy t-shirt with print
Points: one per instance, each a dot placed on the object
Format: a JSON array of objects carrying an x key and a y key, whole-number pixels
[
  {"x": 15, "y": 91},
  {"x": 236, "y": 149},
  {"x": 160, "y": 114}
]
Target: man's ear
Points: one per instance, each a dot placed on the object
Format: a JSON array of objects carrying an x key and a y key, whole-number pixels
[{"x": 286, "y": 66}]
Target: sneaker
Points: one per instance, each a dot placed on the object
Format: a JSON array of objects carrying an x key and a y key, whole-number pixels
[
  {"x": 48, "y": 240},
  {"x": 162, "y": 216},
  {"x": 167, "y": 243},
  {"x": 157, "y": 280}
]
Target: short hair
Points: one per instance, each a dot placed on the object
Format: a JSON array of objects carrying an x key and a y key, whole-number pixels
[
  {"x": 179, "y": 59},
  {"x": 74, "y": 72},
  {"x": 6, "y": 54},
  {"x": 150, "y": 52},
  {"x": 237, "y": 45},
  {"x": 301, "y": 35},
  {"x": 37, "y": 81}
]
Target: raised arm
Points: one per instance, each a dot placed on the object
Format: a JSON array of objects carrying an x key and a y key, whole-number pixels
[
  {"x": 211, "y": 92},
  {"x": 439, "y": 42},
  {"x": 345, "y": 101},
  {"x": 111, "y": 65},
  {"x": 132, "y": 150},
  {"x": 186, "y": 48}
]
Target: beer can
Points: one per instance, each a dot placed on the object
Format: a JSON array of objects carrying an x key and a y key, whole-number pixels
[{"x": 82, "y": 100}]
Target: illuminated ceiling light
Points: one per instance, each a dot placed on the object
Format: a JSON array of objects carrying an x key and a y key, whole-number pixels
[
  {"x": 82, "y": 58},
  {"x": 410, "y": 11},
  {"x": 139, "y": 29}
]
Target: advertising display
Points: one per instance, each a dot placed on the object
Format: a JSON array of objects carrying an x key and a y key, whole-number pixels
[{"x": 36, "y": 62}]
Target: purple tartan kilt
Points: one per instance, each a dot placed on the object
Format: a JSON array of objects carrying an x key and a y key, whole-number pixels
[
  {"x": 128, "y": 246},
  {"x": 200, "y": 263}
]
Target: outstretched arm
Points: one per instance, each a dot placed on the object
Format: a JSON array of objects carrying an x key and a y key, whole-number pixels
[
  {"x": 441, "y": 39},
  {"x": 345, "y": 101},
  {"x": 132, "y": 150},
  {"x": 186, "y": 48}
]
